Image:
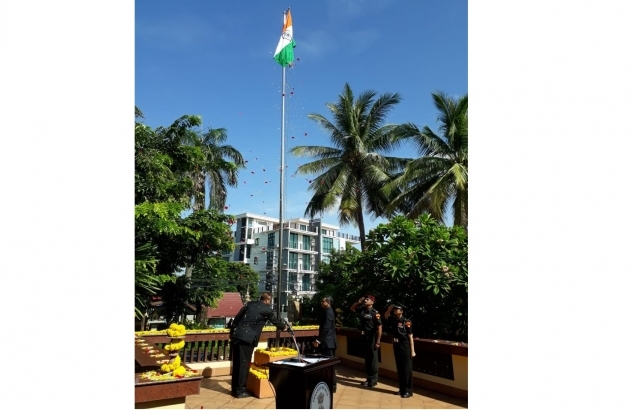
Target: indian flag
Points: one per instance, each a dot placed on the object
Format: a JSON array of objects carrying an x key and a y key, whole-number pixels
[{"x": 284, "y": 50}]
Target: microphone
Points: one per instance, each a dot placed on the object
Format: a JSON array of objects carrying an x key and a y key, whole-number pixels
[{"x": 290, "y": 329}]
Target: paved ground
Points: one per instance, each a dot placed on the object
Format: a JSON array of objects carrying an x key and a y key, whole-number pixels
[{"x": 215, "y": 393}]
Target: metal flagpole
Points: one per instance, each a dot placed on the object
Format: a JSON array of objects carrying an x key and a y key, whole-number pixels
[{"x": 281, "y": 239}]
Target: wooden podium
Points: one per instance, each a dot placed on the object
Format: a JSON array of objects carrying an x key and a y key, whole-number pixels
[{"x": 303, "y": 385}]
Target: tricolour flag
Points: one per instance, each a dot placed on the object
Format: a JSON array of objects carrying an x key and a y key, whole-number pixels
[{"x": 284, "y": 50}]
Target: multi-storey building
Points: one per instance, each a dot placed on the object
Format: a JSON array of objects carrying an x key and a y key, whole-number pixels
[{"x": 306, "y": 243}]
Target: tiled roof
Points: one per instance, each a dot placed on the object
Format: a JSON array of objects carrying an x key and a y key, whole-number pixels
[{"x": 227, "y": 306}]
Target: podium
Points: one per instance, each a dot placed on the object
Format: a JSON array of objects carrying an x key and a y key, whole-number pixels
[{"x": 303, "y": 385}]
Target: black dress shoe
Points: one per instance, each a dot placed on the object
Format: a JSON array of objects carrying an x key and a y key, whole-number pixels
[
  {"x": 405, "y": 395},
  {"x": 364, "y": 383},
  {"x": 243, "y": 395},
  {"x": 372, "y": 384}
]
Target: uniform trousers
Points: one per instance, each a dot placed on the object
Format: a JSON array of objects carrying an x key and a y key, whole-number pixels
[
  {"x": 330, "y": 353},
  {"x": 371, "y": 359},
  {"x": 242, "y": 353},
  {"x": 404, "y": 364}
]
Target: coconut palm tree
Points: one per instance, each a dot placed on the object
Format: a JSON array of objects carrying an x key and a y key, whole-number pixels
[
  {"x": 439, "y": 177},
  {"x": 352, "y": 172},
  {"x": 223, "y": 163}
]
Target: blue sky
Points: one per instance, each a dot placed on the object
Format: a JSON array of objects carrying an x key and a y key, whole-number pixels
[{"x": 215, "y": 59}]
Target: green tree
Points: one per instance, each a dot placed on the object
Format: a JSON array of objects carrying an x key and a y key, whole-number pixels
[
  {"x": 419, "y": 263},
  {"x": 165, "y": 241},
  {"x": 352, "y": 172},
  {"x": 438, "y": 179},
  {"x": 221, "y": 167}
]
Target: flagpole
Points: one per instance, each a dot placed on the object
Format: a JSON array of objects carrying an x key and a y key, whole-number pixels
[{"x": 281, "y": 239}]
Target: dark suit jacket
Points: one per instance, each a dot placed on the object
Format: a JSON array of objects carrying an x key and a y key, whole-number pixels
[
  {"x": 250, "y": 320},
  {"x": 327, "y": 336}
]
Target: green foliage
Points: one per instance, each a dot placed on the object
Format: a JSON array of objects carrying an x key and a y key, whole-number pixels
[
  {"x": 352, "y": 172},
  {"x": 166, "y": 242},
  {"x": 220, "y": 168},
  {"x": 210, "y": 278},
  {"x": 421, "y": 264},
  {"x": 147, "y": 282},
  {"x": 438, "y": 179}
]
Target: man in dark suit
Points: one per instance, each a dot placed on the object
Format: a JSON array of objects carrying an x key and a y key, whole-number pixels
[
  {"x": 245, "y": 332},
  {"x": 327, "y": 339}
]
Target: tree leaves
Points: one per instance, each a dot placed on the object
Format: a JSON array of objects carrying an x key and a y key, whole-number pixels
[{"x": 419, "y": 263}]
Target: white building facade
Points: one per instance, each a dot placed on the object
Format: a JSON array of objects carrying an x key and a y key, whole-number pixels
[{"x": 306, "y": 243}]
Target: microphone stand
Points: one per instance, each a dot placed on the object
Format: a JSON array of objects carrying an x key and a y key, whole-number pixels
[{"x": 299, "y": 354}]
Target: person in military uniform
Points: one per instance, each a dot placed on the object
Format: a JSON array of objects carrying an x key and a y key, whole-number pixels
[
  {"x": 371, "y": 328},
  {"x": 245, "y": 333},
  {"x": 326, "y": 340},
  {"x": 401, "y": 328}
]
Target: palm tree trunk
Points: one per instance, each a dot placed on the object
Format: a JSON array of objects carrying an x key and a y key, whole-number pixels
[{"x": 360, "y": 220}]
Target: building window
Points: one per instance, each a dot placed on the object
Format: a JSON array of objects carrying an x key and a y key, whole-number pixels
[
  {"x": 257, "y": 241},
  {"x": 327, "y": 245},
  {"x": 326, "y": 259},
  {"x": 307, "y": 242},
  {"x": 302, "y": 227},
  {"x": 292, "y": 282},
  {"x": 323, "y": 231},
  {"x": 306, "y": 283},
  {"x": 293, "y": 241},
  {"x": 255, "y": 260},
  {"x": 292, "y": 263},
  {"x": 306, "y": 262}
]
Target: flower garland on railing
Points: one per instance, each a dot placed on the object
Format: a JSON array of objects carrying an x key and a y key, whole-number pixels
[
  {"x": 199, "y": 331},
  {"x": 172, "y": 369},
  {"x": 277, "y": 351},
  {"x": 169, "y": 367},
  {"x": 258, "y": 371},
  {"x": 176, "y": 330},
  {"x": 174, "y": 346}
]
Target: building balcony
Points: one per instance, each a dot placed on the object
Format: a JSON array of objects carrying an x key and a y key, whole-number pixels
[
  {"x": 301, "y": 247},
  {"x": 348, "y": 237}
]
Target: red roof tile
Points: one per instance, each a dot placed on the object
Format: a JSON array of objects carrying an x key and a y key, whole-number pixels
[{"x": 227, "y": 306}]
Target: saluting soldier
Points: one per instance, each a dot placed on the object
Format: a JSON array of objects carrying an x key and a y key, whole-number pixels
[
  {"x": 401, "y": 328},
  {"x": 371, "y": 328},
  {"x": 245, "y": 332}
]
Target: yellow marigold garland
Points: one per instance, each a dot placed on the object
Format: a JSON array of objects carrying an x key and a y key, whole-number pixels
[
  {"x": 174, "y": 346},
  {"x": 277, "y": 351},
  {"x": 199, "y": 331},
  {"x": 258, "y": 371},
  {"x": 176, "y": 330}
]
